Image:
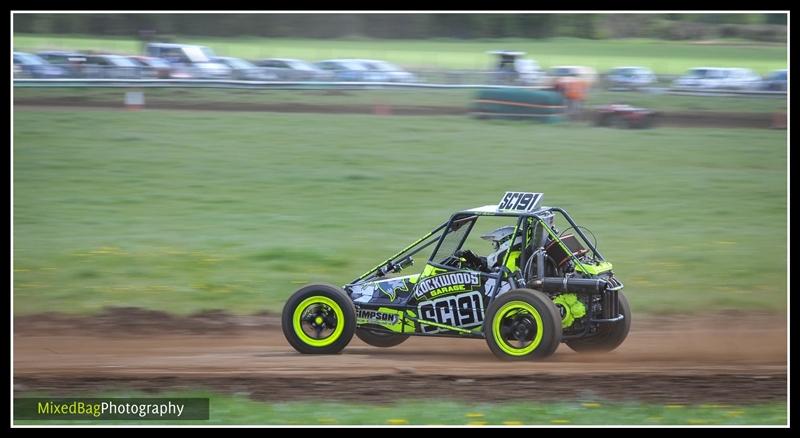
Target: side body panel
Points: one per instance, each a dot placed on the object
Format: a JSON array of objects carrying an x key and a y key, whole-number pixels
[{"x": 438, "y": 301}]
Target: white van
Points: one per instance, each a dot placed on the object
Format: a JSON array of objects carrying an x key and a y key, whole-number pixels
[
  {"x": 196, "y": 59},
  {"x": 719, "y": 78}
]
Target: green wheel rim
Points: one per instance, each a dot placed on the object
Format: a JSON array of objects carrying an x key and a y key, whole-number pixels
[
  {"x": 515, "y": 309},
  {"x": 309, "y": 312}
]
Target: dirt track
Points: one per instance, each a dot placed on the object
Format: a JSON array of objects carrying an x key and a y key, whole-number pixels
[
  {"x": 698, "y": 119},
  {"x": 727, "y": 358}
]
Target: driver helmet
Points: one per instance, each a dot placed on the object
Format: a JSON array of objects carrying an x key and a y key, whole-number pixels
[
  {"x": 501, "y": 235},
  {"x": 501, "y": 240}
]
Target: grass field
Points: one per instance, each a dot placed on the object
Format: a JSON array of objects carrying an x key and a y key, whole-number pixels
[
  {"x": 458, "y": 98},
  {"x": 664, "y": 57},
  {"x": 184, "y": 211},
  {"x": 241, "y": 410}
]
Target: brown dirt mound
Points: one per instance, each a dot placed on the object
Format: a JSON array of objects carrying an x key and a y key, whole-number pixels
[{"x": 135, "y": 321}]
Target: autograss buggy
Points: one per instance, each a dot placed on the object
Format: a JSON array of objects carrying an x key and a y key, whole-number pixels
[{"x": 536, "y": 288}]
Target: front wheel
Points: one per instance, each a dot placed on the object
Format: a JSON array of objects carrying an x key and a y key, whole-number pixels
[
  {"x": 609, "y": 336},
  {"x": 319, "y": 319},
  {"x": 621, "y": 122},
  {"x": 380, "y": 339},
  {"x": 602, "y": 120},
  {"x": 522, "y": 324}
]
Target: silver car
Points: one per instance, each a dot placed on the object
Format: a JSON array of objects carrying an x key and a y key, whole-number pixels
[
  {"x": 351, "y": 70},
  {"x": 742, "y": 79},
  {"x": 630, "y": 78},
  {"x": 245, "y": 70},
  {"x": 288, "y": 69},
  {"x": 389, "y": 72},
  {"x": 112, "y": 67}
]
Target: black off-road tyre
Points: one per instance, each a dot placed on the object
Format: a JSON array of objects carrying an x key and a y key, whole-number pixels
[
  {"x": 522, "y": 324},
  {"x": 380, "y": 339},
  {"x": 319, "y": 319},
  {"x": 609, "y": 336}
]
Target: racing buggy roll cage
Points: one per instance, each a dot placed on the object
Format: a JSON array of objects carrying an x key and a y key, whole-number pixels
[
  {"x": 536, "y": 250},
  {"x": 537, "y": 288}
]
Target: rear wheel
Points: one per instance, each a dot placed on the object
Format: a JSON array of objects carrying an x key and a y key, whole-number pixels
[
  {"x": 319, "y": 319},
  {"x": 609, "y": 336},
  {"x": 649, "y": 121},
  {"x": 380, "y": 339},
  {"x": 522, "y": 324},
  {"x": 619, "y": 121}
]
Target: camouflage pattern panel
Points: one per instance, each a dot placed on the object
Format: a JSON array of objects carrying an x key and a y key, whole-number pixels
[{"x": 389, "y": 291}]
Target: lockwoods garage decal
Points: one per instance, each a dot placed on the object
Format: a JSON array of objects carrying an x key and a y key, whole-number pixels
[
  {"x": 465, "y": 310},
  {"x": 447, "y": 283}
]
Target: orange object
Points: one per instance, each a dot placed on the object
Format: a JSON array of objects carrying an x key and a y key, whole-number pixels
[
  {"x": 778, "y": 120},
  {"x": 572, "y": 88},
  {"x": 382, "y": 110}
]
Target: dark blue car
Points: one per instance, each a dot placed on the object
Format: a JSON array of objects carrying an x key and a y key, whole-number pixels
[
  {"x": 348, "y": 70},
  {"x": 777, "y": 80},
  {"x": 27, "y": 65}
]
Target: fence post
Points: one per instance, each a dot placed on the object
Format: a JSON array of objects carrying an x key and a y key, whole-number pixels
[{"x": 134, "y": 100}]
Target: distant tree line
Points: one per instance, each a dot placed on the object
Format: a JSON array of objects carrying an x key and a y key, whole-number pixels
[{"x": 768, "y": 27}]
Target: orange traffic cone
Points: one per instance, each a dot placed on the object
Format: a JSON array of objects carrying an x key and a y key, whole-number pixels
[
  {"x": 380, "y": 109},
  {"x": 778, "y": 120}
]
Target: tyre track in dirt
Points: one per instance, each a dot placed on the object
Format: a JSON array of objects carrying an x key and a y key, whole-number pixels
[
  {"x": 728, "y": 357},
  {"x": 686, "y": 119}
]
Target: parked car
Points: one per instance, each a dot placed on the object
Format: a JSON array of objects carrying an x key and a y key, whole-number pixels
[
  {"x": 350, "y": 70},
  {"x": 245, "y": 70},
  {"x": 512, "y": 68},
  {"x": 630, "y": 78},
  {"x": 111, "y": 67},
  {"x": 742, "y": 79},
  {"x": 287, "y": 69},
  {"x": 570, "y": 73},
  {"x": 701, "y": 77},
  {"x": 529, "y": 72},
  {"x": 27, "y": 65},
  {"x": 154, "y": 67},
  {"x": 718, "y": 78},
  {"x": 390, "y": 72},
  {"x": 72, "y": 63},
  {"x": 776, "y": 80},
  {"x": 99, "y": 66},
  {"x": 196, "y": 59}
]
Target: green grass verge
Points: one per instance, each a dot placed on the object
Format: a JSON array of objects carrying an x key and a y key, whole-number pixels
[
  {"x": 241, "y": 410},
  {"x": 408, "y": 97},
  {"x": 185, "y": 211},
  {"x": 664, "y": 57}
]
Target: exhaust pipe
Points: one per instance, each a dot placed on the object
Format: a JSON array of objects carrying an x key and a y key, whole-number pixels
[{"x": 568, "y": 284}]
